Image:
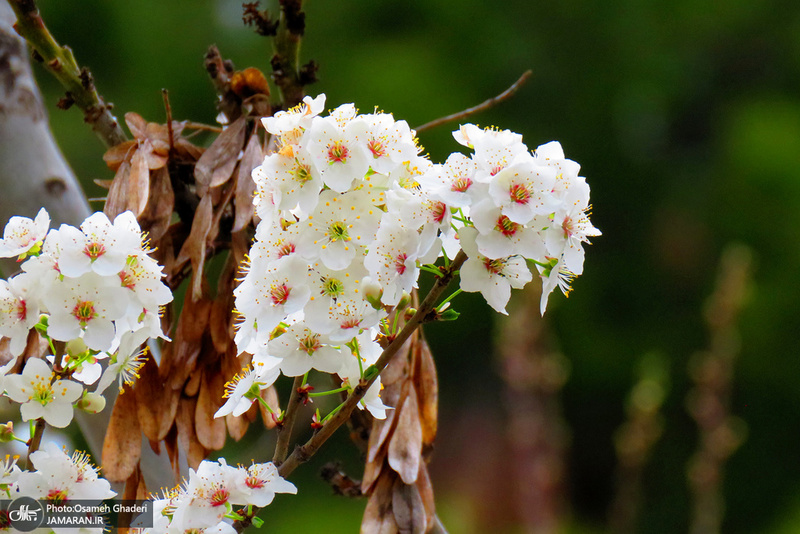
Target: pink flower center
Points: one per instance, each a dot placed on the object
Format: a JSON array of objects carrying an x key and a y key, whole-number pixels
[
  {"x": 219, "y": 497},
  {"x": 377, "y": 148},
  {"x": 279, "y": 294},
  {"x": 461, "y": 184},
  {"x": 338, "y": 153},
  {"x": 94, "y": 250},
  {"x": 493, "y": 266},
  {"x": 127, "y": 279},
  {"x": 568, "y": 227},
  {"x": 284, "y": 249},
  {"x": 22, "y": 310},
  {"x": 439, "y": 210},
  {"x": 84, "y": 312},
  {"x": 254, "y": 482},
  {"x": 506, "y": 226},
  {"x": 519, "y": 193},
  {"x": 400, "y": 263}
]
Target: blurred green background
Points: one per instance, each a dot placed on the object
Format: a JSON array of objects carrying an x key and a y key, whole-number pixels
[{"x": 685, "y": 117}]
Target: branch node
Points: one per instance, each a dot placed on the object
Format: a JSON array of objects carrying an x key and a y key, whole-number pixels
[{"x": 65, "y": 102}]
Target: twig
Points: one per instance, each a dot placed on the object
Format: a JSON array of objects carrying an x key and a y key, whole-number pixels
[
  {"x": 35, "y": 441},
  {"x": 168, "y": 110},
  {"x": 285, "y": 429},
  {"x": 61, "y": 63},
  {"x": 286, "y": 45},
  {"x": 486, "y": 104},
  {"x": 304, "y": 452}
]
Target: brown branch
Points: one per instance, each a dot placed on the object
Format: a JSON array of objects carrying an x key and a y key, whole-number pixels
[
  {"x": 60, "y": 62},
  {"x": 35, "y": 441},
  {"x": 483, "y": 106},
  {"x": 426, "y": 312},
  {"x": 285, "y": 428},
  {"x": 286, "y": 46}
]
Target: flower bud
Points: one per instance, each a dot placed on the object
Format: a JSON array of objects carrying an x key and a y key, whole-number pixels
[
  {"x": 76, "y": 346},
  {"x": 409, "y": 313},
  {"x": 372, "y": 292},
  {"x": 448, "y": 315},
  {"x": 92, "y": 403},
  {"x": 7, "y": 432},
  {"x": 405, "y": 300}
]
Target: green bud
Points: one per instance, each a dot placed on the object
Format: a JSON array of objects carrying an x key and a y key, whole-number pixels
[{"x": 448, "y": 315}]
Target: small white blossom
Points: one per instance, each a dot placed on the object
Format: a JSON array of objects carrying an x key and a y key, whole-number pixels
[
  {"x": 40, "y": 396},
  {"x": 22, "y": 234}
]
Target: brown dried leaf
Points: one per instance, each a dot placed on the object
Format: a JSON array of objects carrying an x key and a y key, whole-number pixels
[
  {"x": 194, "y": 248},
  {"x": 195, "y": 452},
  {"x": 398, "y": 368},
  {"x": 135, "y": 490},
  {"x": 373, "y": 469},
  {"x": 187, "y": 341},
  {"x": 426, "y": 494},
  {"x": 221, "y": 325},
  {"x": 173, "y": 451},
  {"x": 117, "y": 198},
  {"x": 216, "y": 164},
  {"x": 156, "y": 404},
  {"x": 240, "y": 246},
  {"x": 156, "y": 217},
  {"x": 115, "y": 155},
  {"x": 122, "y": 446},
  {"x": 192, "y": 387},
  {"x": 245, "y": 186},
  {"x": 136, "y": 124},
  {"x": 237, "y": 426},
  {"x": 427, "y": 387},
  {"x": 378, "y": 517},
  {"x": 211, "y": 432},
  {"x": 408, "y": 508},
  {"x": 138, "y": 184},
  {"x": 405, "y": 447}
]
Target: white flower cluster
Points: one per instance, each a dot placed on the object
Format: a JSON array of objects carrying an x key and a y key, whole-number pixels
[
  {"x": 204, "y": 503},
  {"x": 523, "y": 207},
  {"x": 94, "y": 287},
  {"x": 58, "y": 479},
  {"x": 349, "y": 212}
]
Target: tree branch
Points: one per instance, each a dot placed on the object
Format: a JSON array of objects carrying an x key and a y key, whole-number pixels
[
  {"x": 286, "y": 46},
  {"x": 424, "y": 313},
  {"x": 60, "y": 62},
  {"x": 285, "y": 429},
  {"x": 486, "y": 104}
]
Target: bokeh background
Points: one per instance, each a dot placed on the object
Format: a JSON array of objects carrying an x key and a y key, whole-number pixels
[{"x": 685, "y": 117}]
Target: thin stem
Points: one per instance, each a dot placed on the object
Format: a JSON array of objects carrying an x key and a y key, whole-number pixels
[
  {"x": 285, "y": 429},
  {"x": 453, "y": 295},
  {"x": 331, "y": 392},
  {"x": 486, "y": 104},
  {"x": 265, "y": 404},
  {"x": 60, "y": 62},
  {"x": 431, "y": 269},
  {"x": 303, "y": 453}
]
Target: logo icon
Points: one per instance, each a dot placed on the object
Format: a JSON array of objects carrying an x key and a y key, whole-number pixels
[{"x": 26, "y": 514}]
